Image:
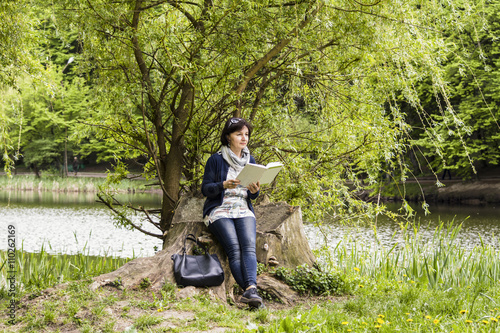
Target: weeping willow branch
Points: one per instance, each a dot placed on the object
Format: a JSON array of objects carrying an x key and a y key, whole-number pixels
[{"x": 125, "y": 218}]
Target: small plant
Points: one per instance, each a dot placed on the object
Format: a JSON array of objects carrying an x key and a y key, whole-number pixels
[
  {"x": 268, "y": 296},
  {"x": 311, "y": 280},
  {"x": 145, "y": 283},
  {"x": 146, "y": 321},
  {"x": 261, "y": 268},
  {"x": 117, "y": 283},
  {"x": 168, "y": 290}
]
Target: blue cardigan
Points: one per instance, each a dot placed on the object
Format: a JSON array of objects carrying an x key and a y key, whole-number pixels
[{"x": 212, "y": 186}]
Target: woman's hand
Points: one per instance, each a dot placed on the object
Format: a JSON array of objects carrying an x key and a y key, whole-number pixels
[
  {"x": 231, "y": 183},
  {"x": 254, "y": 187}
]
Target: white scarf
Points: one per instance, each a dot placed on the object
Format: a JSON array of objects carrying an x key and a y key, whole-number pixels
[{"x": 234, "y": 161}]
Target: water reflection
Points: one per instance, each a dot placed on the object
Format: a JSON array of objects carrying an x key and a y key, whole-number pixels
[
  {"x": 73, "y": 230},
  {"x": 63, "y": 199}
]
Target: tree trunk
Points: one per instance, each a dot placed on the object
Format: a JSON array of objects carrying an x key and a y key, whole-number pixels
[
  {"x": 36, "y": 171},
  {"x": 174, "y": 161},
  {"x": 280, "y": 241}
]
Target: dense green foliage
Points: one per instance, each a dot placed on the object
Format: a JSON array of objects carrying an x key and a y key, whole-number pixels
[
  {"x": 312, "y": 76},
  {"x": 42, "y": 110},
  {"x": 305, "y": 279},
  {"x": 469, "y": 136},
  {"x": 19, "y": 40}
]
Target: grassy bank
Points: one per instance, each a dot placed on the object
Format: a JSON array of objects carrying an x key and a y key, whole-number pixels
[
  {"x": 41, "y": 270},
  {"x": 70, "y": 184},
  {"x": 417, "y": 286}
]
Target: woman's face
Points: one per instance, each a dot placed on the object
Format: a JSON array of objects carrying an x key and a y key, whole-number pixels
[{"x": 238, "y": 139}]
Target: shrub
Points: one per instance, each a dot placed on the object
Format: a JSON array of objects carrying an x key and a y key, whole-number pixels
[{"x": 312, "y": 280}]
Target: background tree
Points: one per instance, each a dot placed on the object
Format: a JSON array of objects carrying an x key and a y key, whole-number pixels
[
  {"x": 47, "y": 109},
  {"x": 18, "y": 40}
]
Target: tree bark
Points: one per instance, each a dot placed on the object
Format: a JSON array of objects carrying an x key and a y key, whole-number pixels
[{"x": 175, "y": 159}]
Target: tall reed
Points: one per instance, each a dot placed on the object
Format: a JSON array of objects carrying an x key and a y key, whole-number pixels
[
  {"x": 437, "y": 263},
  {"x": 35, "y": 271},
  {"x": 69, "y": 184}
]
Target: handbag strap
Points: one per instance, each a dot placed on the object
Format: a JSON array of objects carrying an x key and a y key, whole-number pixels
[{"x": 192, "y": 238}]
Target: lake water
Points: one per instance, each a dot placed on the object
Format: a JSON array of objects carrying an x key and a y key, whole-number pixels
[
  {"x": 74, "y": 222},
  {"x": 479, "y": 224}
]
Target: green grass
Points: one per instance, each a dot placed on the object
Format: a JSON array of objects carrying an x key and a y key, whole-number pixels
[
  {"x": 419, "y": 286},
  {"x": 69, "y": 184}
]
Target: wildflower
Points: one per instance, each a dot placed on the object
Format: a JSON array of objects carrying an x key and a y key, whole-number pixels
[
  {"x": 381, "y": 316},
  {"x": 409, "y": 320},
  {"x": 411, "y": 281},
  {"x": 160, "y": 310},
  {"x": 361, "y": 286},
  {"x": 363, "y": 323},
  {"x": 485, "y": 322},
  {"x": 427, "y": 317},
  {"x": 400, "y": 281},
  {"x": 463, "y": 311},
  {"x": 468, "y": 321},
  {"x": 380, "y": 320},
  {"x": 407, "y": 314},
  {"x": 378, "y": 326},
  {"x": 436, "y": 321},
  {"x": 349, "y": 330},
  {"x": 356, "y": 269},
  {"x": 345, "y": 323},
  {"x": 494, "y": 319}
]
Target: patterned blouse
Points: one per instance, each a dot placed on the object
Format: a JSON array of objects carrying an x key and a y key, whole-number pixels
[{"x": 234, "y": 205}]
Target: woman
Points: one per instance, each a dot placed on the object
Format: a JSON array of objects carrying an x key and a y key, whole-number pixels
[{"x": 228, "y": 211}]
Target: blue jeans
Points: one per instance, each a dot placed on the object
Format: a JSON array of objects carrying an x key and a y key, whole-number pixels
[{"x": 237, "y": 237}]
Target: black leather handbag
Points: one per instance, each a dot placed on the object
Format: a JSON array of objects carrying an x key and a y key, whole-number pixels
[{"x": 197, "y": 270}]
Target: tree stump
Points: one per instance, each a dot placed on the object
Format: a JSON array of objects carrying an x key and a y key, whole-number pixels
[{"x": 281, "y": 241}]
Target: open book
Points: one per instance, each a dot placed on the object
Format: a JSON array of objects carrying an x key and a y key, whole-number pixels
[{"x": 253, "y": 173}]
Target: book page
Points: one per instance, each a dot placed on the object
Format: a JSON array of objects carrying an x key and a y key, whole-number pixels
[
  {"x": 270, "y": 173},
  {"x": 274, "y": 165},
  {"x": 251, "y": 173}
]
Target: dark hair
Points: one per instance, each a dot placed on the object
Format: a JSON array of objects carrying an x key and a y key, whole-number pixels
[{"x": 233, "y": 125}]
